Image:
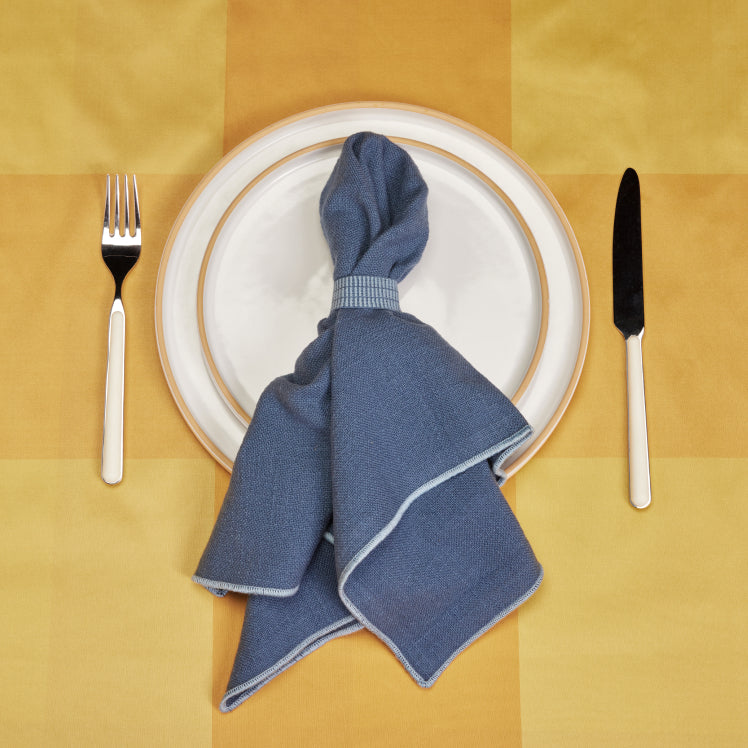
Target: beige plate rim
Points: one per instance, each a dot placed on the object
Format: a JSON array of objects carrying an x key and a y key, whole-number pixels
[{"x": 547, "y": 430}]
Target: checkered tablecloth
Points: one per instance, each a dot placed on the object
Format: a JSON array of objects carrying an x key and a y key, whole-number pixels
[{"x": 637, "y": 636}]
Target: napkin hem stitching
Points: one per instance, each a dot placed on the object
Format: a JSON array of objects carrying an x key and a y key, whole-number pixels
[
  {"x": 428, "y": 682},
  {"x": 211, "y": 584},
  {"x": 316, "y": 640},
  {"x": 500, "y": 450},
  {"x": 502, "y": 614}
]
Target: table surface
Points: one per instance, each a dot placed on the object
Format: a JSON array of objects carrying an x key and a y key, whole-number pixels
[{"x": 637, "y": 635}]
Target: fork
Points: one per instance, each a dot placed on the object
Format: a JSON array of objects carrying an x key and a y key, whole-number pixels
[{"x": 120, "y": 251}]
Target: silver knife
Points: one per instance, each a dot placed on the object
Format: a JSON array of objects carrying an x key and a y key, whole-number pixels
[{"x": 628, "y": 315}]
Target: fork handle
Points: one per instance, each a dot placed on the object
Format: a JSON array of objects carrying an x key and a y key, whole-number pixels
[{"x": 111, "y": 452}]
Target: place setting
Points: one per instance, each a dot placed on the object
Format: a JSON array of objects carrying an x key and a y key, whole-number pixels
[
  {"x": 367, "y": 442},
  {"x": 333, "y": 413}
]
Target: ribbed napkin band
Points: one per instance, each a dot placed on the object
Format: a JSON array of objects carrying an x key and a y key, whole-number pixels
[{"x": 366, "y": 291}]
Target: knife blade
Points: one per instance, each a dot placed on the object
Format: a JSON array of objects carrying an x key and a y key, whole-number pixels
[{"x": 628, "y": 316}]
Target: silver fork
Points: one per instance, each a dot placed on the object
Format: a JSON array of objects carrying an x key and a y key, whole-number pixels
[{"x": 120, "y": 251}]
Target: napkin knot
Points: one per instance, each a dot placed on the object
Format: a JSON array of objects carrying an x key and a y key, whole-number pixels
[
  {"x": 373, "y": 209},
  {"x": 366, "y": 292}
]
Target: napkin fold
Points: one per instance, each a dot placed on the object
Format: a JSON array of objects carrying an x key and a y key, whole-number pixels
[{"x": 366, "y": 490}]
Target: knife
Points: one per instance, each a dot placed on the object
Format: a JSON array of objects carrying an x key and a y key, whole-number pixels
[{"x": 628, "y": 315}]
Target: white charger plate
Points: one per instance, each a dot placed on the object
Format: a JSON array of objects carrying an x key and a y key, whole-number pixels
[{"x": 246, "y": 274}]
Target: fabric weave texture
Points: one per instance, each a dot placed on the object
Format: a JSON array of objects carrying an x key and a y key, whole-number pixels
[{"x": 366, "y": 490}]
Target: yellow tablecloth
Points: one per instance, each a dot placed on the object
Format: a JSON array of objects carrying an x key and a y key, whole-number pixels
[{"x": 637, "y": 636}]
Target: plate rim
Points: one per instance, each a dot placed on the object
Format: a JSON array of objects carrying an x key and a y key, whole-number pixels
[{"x": 581, "y": 352}]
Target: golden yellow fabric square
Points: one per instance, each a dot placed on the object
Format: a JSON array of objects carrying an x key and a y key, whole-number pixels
[
  {"x": 92, "y": 87},
  {"x": 283, "y": 58},
  {"x": 637, "y": 634},
  {"x": 106, "y": 641},
  {"x": 598, "y": 86}
]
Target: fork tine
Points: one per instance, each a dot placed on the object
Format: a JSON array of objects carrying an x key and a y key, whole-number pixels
[
  {"x": 106, "y": 206},
  {"x": 116, "y": 204},
  {"x": 127, "y": 208},
  {"x": 136, "y": 206}
]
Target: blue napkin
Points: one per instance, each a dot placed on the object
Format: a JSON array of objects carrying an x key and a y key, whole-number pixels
[{"x": 366, "y": 490}]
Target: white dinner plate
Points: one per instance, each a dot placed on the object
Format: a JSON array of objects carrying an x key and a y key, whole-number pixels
[
  {"x": 246, "y": 273},
  {"x": 266, "y": 278}
]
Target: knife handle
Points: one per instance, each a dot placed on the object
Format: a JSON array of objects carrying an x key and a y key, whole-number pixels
[
  {"x": 640, "y": 492},
  {"x": 111, "y": 451}
]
